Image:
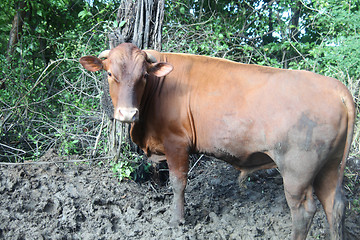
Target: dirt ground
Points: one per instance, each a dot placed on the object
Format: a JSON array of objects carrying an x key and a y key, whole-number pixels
[{"x": 85, "y": 201}]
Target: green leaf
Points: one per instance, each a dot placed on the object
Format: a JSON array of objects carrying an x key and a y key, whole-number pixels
[
  {"x": 84, "y": 13},
  {"x": 39, "y": 13},
  {"x": 182, "y": 10},
  {"x": 122, "y": 23}
]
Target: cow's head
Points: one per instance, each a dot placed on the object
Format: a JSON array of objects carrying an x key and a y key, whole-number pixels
[{"x": 127, "y": 69}]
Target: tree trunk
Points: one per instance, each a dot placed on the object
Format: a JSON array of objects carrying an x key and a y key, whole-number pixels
[
  {"x": 16, "y": 29},
  {"x": 140, "y": 22},
  {"x": 294, "y": 28},
  {"x": 268, "y": 38}
]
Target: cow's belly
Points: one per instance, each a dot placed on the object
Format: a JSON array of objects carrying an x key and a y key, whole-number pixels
[
  {"x": 253, "y": 161},
  {"x": 243, "y": 144}
]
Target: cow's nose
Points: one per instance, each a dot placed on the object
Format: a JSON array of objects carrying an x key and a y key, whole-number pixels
[{"x": 127, "y": 114}]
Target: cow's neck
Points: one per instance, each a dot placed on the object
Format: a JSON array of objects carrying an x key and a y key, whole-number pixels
[{"x": 153, "y": 83}]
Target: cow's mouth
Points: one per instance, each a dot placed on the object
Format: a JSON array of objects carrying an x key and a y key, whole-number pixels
[{"x": 128, "y": 115}]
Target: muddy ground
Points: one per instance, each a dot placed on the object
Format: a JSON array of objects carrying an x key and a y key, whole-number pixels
[{"x": 85, "y": 201}]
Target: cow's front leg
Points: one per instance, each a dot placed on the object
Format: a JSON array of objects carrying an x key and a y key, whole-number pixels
[
  {"x": 178, "y": 182},
  {"x": 178, "y": 163}
]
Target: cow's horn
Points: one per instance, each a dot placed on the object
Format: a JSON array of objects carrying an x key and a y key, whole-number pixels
[
  {"x": 150, "y": 58},
  {"x": 104, "y": 54}
]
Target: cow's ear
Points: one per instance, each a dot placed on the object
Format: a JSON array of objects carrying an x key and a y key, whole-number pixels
[
  {"x": 91, "y": 63},
  {"x": 160, "y": 69}
]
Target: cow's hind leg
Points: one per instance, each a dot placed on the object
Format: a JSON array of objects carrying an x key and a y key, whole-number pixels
[
  {"x": 302, "y": 205},
  {"x": 330, "y": 193}
]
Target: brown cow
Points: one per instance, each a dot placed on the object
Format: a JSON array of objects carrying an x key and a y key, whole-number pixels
[{"x": 253, "y": 117}]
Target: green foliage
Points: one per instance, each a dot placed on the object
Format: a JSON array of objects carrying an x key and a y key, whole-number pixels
[
  {"x": 128, "y": 162},
  {"x": 6, "y": 16},
  {"x": 122, "y": 169},
  {"x": 356, "y": 205},
  {"x": 340, "y": 55},
  {"x": 49, "y": 100},
  {"x": 351, "y": 183},
  {"x": 318, "y": 35}
]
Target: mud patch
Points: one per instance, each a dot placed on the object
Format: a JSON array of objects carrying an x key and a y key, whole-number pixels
[{"x": 83, "y": 201}]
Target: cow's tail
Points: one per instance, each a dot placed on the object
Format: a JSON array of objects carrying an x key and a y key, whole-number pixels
[
  {"x": 338, "y": 211},
  {"x": 351, "y": 114}
]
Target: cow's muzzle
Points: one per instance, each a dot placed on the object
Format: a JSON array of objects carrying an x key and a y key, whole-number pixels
[{"x": 127, "y": 114}]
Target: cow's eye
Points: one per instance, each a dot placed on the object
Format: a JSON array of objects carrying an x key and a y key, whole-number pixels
[{"x": 109, "y": 73}]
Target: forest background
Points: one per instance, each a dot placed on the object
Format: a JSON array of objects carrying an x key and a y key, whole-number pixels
[{"x": 49, "y": 102}]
